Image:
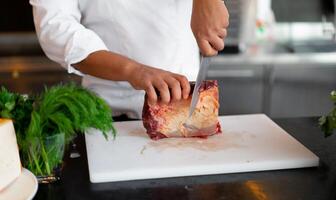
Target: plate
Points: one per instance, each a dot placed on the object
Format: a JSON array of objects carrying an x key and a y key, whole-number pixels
[{"x": 23, "y": 188}]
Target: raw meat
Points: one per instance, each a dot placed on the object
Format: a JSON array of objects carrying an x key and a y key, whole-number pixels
[{"x": 172, "y": 120}]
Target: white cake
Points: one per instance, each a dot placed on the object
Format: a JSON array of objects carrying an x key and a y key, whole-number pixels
[{"x": 10, "y": 165}]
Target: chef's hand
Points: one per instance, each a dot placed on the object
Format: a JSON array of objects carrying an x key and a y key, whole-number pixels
[
  {"x": 116, "y": 67},
  {"x": 209, "y": 21},
  {"x": 170, "y": 86}
]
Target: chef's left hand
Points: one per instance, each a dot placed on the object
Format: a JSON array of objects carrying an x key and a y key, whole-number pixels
[{"x": 209, "y": 23}]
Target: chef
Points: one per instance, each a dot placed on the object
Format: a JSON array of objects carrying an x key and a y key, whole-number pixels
[{"x": 126, "y": 48}]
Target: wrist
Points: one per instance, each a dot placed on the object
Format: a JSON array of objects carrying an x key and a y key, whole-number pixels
[{"x": 130, "y": 70}]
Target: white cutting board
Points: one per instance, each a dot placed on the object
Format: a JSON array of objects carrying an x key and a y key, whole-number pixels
[{"x": 248, "y": 143}]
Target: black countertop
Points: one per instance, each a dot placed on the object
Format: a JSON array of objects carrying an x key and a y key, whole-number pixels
[{"x": 317, "y": 183}]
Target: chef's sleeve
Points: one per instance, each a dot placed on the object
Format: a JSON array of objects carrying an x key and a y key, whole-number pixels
[{"x": 61, "y": 35}]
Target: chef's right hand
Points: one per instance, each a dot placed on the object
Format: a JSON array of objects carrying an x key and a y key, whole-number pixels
[
  {"x": 170, "y": 86},
  {"x": 209, "y": 22}
]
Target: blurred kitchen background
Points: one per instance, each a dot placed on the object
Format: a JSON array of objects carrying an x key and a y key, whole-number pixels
[{"x": 280, "y": 57}]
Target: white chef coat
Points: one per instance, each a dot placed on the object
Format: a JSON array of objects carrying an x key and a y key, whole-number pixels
[{"x": 153, "y": 32}]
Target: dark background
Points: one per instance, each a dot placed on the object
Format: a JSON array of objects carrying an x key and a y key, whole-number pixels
[{"x": 16, "y": 15}]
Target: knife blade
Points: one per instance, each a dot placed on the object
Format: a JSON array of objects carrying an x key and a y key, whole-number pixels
[{"x": 205, "y": 62}]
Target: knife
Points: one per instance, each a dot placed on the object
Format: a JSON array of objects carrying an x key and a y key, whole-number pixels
[{"x": 205, "y": 62}]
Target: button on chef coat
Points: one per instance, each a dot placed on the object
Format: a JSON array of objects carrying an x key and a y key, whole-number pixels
[{"x": 153, "y": 32}]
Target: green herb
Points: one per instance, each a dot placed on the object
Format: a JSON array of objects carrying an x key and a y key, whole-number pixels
[
  {"x": 328, "y": 123},
  {"x": 47, "y": 123},
  {"x": 69, "y": 109},
  {"x": 16, "y": 107}
]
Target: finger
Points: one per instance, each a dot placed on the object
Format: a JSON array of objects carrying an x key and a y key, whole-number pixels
[
  {"x": 164, "y": 91},
  {"x": 222, "y": 33},
  {"x": 175, "y": 87},
  {"x": 185, "y": 85},
  {"x": 226, "y": 22},
  {"x": 206, "y": 49},
  {"x": 226, "y": 19},
  {"x": 151, "y": 95},
  {"x": 217, "y": 43}
]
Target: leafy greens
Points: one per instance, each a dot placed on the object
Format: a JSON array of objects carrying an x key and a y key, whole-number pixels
[
  {"x": 17, "y": 107},
  {"x": 328, "y": 123},
  {"x": 46, "y": 123}
]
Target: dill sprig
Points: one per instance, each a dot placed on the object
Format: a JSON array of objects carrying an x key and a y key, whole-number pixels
[
  {"x": 45, "y": 124},
  {"x": 69, "y": 109}
]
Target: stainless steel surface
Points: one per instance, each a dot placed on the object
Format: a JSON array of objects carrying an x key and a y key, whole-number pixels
[
  {"x": 242, "y": 22},
  {"x": 280, "y": 85},
  {"x": 241, "y": 87},
  {"x": 205, "y": 62},
  {"x": 234, "y": 8},
  {"x": 231, "y": 73},
  {"x": 298, "y": 10},
  {"x": 301, "y": 90},
  {"x": 276, "y": 58},
  {"x": 318, "y": 47}
]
